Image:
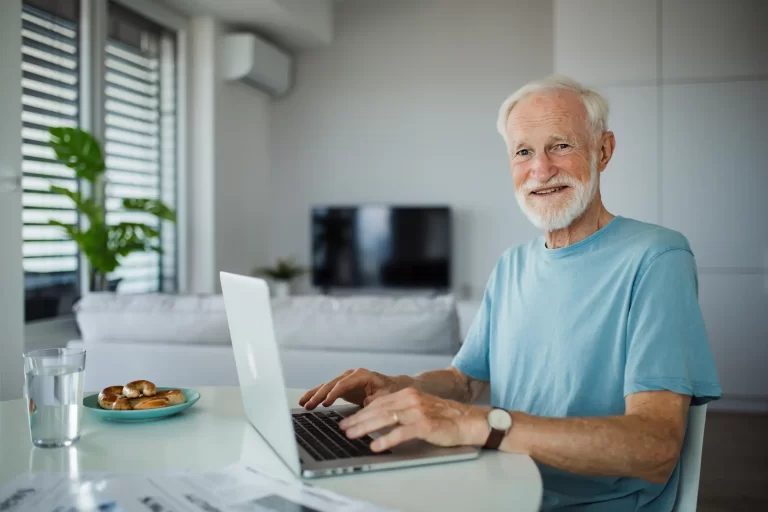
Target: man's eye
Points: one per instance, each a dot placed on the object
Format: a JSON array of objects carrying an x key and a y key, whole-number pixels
[
  {"x": 523, "y": 152},
  {"x": 563, "y": 146}
]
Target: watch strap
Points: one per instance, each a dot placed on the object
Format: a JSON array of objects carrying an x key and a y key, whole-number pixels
[{"x": 494, "y": 439}]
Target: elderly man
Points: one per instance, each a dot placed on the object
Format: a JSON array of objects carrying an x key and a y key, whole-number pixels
[{"x": 590, "y": 337}]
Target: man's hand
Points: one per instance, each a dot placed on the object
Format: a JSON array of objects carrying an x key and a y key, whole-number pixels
[
  {"x": 355, "y": 386},
  {"x": 420, "y": 416}
]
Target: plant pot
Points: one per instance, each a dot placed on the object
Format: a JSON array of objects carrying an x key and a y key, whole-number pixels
[
  {"x": 100, "y": 283},
  {"x": 281, "y": 289}
]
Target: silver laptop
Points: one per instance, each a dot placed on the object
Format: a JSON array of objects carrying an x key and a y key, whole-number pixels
[{"x": 309, "y": 442}]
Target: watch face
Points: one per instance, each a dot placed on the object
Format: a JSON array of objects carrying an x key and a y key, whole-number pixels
[{"x": 499, "y": 420}]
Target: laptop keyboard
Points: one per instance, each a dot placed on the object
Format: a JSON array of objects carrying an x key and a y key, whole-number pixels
[{"x": 320, "y": 435}]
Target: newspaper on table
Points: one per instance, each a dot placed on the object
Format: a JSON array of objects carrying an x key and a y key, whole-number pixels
[{"x": 237, "y": 488}]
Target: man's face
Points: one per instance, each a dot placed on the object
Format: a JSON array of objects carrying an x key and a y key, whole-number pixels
[{"x": 554, "y": 166}]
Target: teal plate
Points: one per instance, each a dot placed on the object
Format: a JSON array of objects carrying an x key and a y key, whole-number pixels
[{"x": 92, "y": 403}]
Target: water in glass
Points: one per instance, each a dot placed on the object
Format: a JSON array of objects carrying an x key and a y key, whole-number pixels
[{"x": 54, "y": 392}]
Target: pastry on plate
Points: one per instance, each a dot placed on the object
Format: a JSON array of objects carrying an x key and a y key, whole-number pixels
[{"x": 138, "y": 395}]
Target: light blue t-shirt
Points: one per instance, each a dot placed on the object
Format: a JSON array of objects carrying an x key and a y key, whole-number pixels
[{"x": 572, "y": 331}]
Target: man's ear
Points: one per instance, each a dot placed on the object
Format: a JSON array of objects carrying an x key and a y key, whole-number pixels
[{"x": 606, "y": 149}]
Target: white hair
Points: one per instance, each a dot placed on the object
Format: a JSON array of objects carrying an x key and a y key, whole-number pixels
[{"x": 595, "y": 104}]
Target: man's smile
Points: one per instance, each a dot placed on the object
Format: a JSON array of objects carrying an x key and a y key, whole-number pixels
[{"x": 548, "y": 190}]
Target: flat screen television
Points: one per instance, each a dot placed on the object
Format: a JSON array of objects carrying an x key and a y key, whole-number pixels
[{"x": 381, "y": 247}]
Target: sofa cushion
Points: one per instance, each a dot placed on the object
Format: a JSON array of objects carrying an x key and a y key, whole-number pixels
[
  {"x": 371, "y": 324},
  {"x": 105, "y": 317}
]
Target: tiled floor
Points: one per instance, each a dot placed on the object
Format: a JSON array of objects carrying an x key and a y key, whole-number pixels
[{"x": 734, "y": 466}]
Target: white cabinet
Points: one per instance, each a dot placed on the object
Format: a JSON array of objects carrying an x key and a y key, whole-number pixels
[
  {"x": 714, "y": 38},
  {"x": 735, "y": 311},
  {"x": 714, "y": 173},
  {"x": 606, "y": 41},
  {"x": 630, "y": 184}
]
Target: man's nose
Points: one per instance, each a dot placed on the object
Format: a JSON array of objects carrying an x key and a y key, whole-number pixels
[{"x": 542, "y": 168}]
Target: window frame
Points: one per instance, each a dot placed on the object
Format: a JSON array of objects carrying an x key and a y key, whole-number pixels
[
  {"x": 144, "y": 54},
  {"x": 178, "y": 23},
  {"x": 93, "y": 24},
  {"x": 68, "y": 14}
]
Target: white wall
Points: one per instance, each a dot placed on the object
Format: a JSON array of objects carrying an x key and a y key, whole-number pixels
[
  {"x": 229, "y": 185},
  {"x": 11, "y": 283},
  {"x": 242, "y": 178},
  {"x": 401, "y": 108},
  {"x": 688, "y": 85},
  {"x": 309, "y": 22}
]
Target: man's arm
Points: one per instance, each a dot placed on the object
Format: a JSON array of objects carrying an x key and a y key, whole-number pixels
[
  {"x": 644, "y": 443},
  {"x": 450, "y": 383}
]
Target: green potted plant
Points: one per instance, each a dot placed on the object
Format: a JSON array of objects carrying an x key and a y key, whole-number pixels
[
  {"x": 103, "y": 244},
  {"x": 282, "y": 273}
]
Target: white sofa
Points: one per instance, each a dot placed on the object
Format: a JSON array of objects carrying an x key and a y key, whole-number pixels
[{"x": 184, "y": 340}]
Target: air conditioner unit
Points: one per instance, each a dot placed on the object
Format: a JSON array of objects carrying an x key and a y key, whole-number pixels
[{"x": 252, "y": 60}]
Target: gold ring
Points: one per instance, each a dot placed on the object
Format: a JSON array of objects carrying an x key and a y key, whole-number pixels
[{"x": 394, "y": 417}]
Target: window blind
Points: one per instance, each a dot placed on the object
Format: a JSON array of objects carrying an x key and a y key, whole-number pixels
[
  {"x": 140, "y": 139},
  {"x": 50, "y": 97}
]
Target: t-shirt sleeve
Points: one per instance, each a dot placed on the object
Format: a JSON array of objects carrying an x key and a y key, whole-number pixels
[
  {"x": 472, "y": 358},
  {"x": 667, "y": 343}
]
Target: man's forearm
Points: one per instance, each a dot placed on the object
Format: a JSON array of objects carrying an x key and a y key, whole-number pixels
[
  {"x": 629, "y": 445},
  {"x": 448, "y": 383}
]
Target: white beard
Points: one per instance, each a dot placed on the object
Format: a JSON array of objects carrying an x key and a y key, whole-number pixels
[{"x": 553, "y": 218}]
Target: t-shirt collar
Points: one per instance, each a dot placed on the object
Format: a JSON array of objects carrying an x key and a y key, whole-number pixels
[{"x": 578, "y": 246}]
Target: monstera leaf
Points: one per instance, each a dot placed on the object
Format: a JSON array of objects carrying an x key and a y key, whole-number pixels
[
  {"x": 153, "y": 206},
  {"x": 78, "y": 150},
  {"x": 128, "y": 237},
  {"x": 104, "y": 244},
  {"x": 86, "y": 206}
]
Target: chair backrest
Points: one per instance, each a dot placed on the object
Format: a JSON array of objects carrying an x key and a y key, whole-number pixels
[{"x": 690, "y": 460}]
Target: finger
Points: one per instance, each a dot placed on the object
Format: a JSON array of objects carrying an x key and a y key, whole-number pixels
[
  {"x": 323, "y": 391},
  {"x": 384, "y": 405},
  {"x": 402, "y": 399},
  {"x": 378, "y": 394},
  {"x": 398, "y": 436},
  {"x": 318, "y": 395},
  {"x": 405, "y": 413},
  {"x": 360, "y": 416},
  {"x": 306, "y": 396},
  {"x": 373, "y": 424},
  {"x": 352, "y": 381}
]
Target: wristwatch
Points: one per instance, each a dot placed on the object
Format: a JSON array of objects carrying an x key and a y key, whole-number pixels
[{"x": 500, "y": 422}]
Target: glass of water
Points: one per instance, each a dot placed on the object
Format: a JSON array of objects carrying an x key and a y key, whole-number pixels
[{"x": 54, "y": 395}]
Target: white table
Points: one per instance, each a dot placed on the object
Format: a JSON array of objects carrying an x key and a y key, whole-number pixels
[{"x": 214, "y": 433}]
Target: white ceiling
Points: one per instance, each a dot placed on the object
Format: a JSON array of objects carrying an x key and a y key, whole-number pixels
[{"x": 297, "y": 24}]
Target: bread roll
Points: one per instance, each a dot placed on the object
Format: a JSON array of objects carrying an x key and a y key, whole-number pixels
[
  {"x": 174, "y": 396},
  {"x": 149, "y": 402},
  {"x": 139, "y": 388}
]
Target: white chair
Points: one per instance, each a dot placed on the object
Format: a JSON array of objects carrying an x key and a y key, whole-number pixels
[{"x": 690, "y": 461}]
